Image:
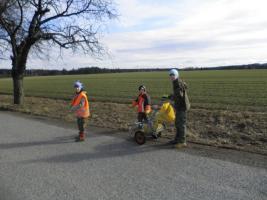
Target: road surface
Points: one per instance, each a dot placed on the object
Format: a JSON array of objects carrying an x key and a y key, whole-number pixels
[{"x": 39, "y": 160}]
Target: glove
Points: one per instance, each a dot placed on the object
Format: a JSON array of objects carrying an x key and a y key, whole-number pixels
[{"x": 148, "y": 109}]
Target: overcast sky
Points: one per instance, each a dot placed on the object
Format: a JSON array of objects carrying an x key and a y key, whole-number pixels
[{"x": 177, "y": 33}]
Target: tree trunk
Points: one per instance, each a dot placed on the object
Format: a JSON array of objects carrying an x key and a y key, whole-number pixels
[
  {"x": 18, "y": 90},
  {"x": 18, "y": 69}
]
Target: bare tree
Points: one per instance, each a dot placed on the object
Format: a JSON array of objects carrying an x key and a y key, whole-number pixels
[{"x": 28, "y": 25}]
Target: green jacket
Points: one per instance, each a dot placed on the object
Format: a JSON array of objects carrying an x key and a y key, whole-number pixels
[{"x": 179, "y": 96}]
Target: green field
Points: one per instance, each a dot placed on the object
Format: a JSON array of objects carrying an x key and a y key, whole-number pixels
[{"x": 215, "y": 89}]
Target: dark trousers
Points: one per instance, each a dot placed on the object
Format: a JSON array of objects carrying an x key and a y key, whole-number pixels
[
  {"x": 81, "y": 123},
  {"x": 180, "y": 124},
  {"x": 141, "y": 117}
]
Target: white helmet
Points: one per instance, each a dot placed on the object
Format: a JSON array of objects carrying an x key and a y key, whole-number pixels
[
  {"x": 174, "y": 72},
  {"x": 78, "y": 84}
]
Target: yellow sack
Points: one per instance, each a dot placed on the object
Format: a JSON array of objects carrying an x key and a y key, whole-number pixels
[{"x": 167, "y": 112}]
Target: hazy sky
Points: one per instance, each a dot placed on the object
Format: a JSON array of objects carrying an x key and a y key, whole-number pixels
[{"x": 177, "y": 33}]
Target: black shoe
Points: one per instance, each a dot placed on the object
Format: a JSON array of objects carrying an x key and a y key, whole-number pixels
[
  {"x": 172, "y": 142},
  {"x": 154, "y": 135}
]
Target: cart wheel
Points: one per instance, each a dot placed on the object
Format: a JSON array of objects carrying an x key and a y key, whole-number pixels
[{"x": 140, "y": 137}]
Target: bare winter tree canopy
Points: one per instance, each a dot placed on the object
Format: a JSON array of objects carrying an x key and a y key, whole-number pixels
[{"x": 27, "y": 25}]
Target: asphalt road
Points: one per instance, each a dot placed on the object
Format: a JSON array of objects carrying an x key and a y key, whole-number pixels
[{"x": 40, "y": 161}]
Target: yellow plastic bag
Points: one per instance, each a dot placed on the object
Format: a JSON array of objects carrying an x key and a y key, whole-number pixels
[{"x": 167, "y": 113}]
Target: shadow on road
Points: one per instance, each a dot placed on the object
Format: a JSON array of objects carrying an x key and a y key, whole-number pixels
[
  {"x": 118, "y": 149},
  {"x": 127, "y": 147},
  {"x": 57, "y": 140}
]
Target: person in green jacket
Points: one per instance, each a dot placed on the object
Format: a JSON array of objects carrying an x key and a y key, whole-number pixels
[{"x": 181, "y": 106}]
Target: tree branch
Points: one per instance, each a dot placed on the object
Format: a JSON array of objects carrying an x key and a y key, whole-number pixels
[
  {"x": 21, "y": 19},
  {"x": 63, "y": 14}
]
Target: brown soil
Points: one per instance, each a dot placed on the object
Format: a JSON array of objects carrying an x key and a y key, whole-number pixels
[{"x": 229, "y": 129}]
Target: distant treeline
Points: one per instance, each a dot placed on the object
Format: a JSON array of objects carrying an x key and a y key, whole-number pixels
[
  {"x": 249, "y": 66},
  {"x": 97, "y": 70}
]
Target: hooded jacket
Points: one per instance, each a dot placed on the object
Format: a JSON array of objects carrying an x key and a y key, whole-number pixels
[{"x": 179, "y": 96}]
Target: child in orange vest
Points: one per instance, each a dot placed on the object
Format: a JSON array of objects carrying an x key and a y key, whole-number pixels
[
  {"x": 143, "y": 103},
  {"x": 80, "y": 106}
]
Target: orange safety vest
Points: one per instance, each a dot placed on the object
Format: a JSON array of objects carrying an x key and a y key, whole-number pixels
[{"x": 84, "y": 110}]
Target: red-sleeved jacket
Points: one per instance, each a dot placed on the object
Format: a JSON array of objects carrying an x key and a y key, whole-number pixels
[{"x": 143, "y": 103}]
